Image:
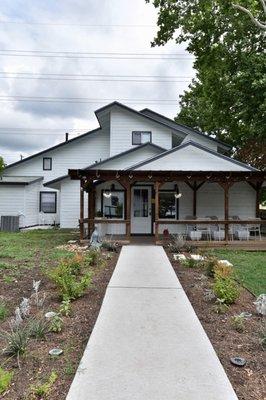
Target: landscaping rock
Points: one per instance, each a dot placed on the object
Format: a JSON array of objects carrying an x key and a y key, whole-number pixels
[
  {"x": 245, "y": 314},
  {"x": 55, "y": 352},
  {"x": 238, "y": 361},
  {"x": 50, "y": 314},
  {"x": 179, "y": 257}
]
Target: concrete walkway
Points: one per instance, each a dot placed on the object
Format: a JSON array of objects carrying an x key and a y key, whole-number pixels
[{"x": 148, "y": 343}]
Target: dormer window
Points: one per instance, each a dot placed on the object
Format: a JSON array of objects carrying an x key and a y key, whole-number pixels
[
  {"x": 141, "y": 137},
  {"x": 47, "y": 163}
]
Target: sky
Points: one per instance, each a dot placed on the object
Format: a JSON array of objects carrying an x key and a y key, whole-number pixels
[{"x": 72, "y": 29}]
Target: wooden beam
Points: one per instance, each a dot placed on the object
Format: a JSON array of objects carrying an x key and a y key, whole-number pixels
[
  {"x": 81, "y": 213},
  {"x": 258, "y": 192},
  {"x": 226, "y": 186},
  {"x": 91, "y": 208},
  {"x": 128, "y": 210},
  {"x": 157, "y": 186}
]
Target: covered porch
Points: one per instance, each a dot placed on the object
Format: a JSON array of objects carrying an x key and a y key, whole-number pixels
[{"x": 203, "y": 206}]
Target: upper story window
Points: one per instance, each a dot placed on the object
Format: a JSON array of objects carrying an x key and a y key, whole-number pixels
[
  {"x": 47, "y": 163},
  {"x": 48, "y": 202},
  {"x": 141, "y": 137}
]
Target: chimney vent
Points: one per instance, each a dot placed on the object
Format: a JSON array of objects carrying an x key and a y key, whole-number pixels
[{"x": 66, "y": 137}]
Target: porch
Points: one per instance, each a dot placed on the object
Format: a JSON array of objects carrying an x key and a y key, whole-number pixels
[{"x": 217, "y": 206}]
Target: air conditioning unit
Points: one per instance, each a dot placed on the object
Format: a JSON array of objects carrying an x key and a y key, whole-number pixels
[{"x": 9, "y": 223}]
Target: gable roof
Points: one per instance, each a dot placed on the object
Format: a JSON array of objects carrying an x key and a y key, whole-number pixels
[
  {"x": 124, "y": 107},
  {"x": 117, "y": 156},
  {"x": 192, "y": 130},
  {"x": 53, "y": 148},
  {"x": 196, "y": 145}
]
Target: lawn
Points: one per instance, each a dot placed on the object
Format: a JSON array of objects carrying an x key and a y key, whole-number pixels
[
  {"x": 34, "y": 255},
  {"x": 250, "y": 267}
]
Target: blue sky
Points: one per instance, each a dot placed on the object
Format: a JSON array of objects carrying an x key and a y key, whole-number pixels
[{"x": 68, "y": 34}]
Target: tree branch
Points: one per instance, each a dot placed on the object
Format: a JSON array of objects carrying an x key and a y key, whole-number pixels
[
  {"x": 253, "y": 19},
  {"x": 263, "y": 2}
]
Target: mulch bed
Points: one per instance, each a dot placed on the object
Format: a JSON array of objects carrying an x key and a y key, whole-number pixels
[
  {"x": 36, "y": 365},
  {"x": 249, "y": 382}
]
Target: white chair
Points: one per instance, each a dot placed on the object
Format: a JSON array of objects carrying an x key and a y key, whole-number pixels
[
  {"x": 255, "y": 228},
  {"x": 205, "y": 229}
]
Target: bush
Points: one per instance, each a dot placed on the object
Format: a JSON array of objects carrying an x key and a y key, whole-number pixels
[
  {"x": 223, "y": 271},
  {"x": 190, "y": 263},
  {"x": 220, "y": 307},
  {"x": 56, "y": 324},
  {"x": 5, "y": 380},
  {"x": 238, "y": 323},
  {"x": 109, "y": 246},
  {"x": 3, "y": 310},
  {"x": 179, "y": 245},
  {"x": 226, "y": 289},
  {"x": 65, "y": 308},
  {"x": 209, "y": 264},
  {"x": 16, "y": 341},
  {"x": 65, "y": 276},
  {"x": 38, "y": 327},
  {"x": 263, "y": 337},
  {"x": 43, "y": 390}
]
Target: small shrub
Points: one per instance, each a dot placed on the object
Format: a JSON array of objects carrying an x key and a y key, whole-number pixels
[
  {"x": 220, "y": 307},
  {"x": 190, "y": 263},
  {"x": 226, "y": 289},
  {"x": 56, "y": 324},
  {"x": 189, "y": 248},
  {"x": 44, "y": 389},
  {"x": 65, "y": 307},
  {"x": 65, "y": 276},
  {"x": 38, "y": 327},
  {"x": 109, "y": 246},
  {"x": 209, "y": 264},
  {"x": 3, "y": 310},
  {"x": 238, "y": 323},
  {"x": 5, "y": 380},
  {"x": 223, "y": 271},
  {"x": 16, "y": 341}
]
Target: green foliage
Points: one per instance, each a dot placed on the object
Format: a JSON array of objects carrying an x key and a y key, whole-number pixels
[
  {"x": 190, "y": 263},
  {"x": 227, "y": 97},
  {"x": 66, "y": 277},
  {"x": 16, "y": 340},
  {"x": 44, "y": 389},
  {"x": 109, "y": 246},
  {"x": 2, "y": 164},
  {"x": 65, "y": 307},
  {"x": 179, "y": 245},
  {"x": 3, "y": 310},
  {"x": 38, "y": 327},
  {"x": 5, "y": 379},
  {"x": 209, "y": 264},
  {"x": 238, "y": 323},
  {"x": 220, "y": 307},
  {"x": 226, "y": 289},
  {"x": 56, "y": 324},
  {"x": 263, "y": 336}
]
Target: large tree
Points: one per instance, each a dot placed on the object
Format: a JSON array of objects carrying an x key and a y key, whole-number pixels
[
  {"x": 2, "y": 164},
  {"x": 227, "y": 97}
]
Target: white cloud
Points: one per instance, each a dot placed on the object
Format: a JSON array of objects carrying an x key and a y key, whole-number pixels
[{"x": 83, "y": 39}]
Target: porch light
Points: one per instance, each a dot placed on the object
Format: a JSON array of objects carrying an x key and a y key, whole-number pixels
[
  {"x": 178, "y": 195},
  {"x": 107, "y": 193}
]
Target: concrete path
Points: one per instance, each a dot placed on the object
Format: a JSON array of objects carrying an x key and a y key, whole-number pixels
[{"x": 148, "y": 343}]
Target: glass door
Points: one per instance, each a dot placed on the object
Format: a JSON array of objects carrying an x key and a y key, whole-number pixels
[{"x": 141, "y": 214}]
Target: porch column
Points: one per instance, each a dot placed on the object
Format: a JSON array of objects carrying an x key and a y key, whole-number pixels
[
  {"x": 157, "y": 186},
  {"x": 81, "y": 213},
  {"x": 195, "y": 188},
  {"x": 91, "y": 209},
  {"x": 258, "y": 191},
  {"x": 226, "y": 186},
  {"x": 128, "y": 210}
]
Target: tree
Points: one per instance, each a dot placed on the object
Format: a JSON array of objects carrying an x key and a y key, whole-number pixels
[
  {"x": 227, "y": 97},
  {"x": 261, "y": 25},
  {"x": 2, "y": 164}
]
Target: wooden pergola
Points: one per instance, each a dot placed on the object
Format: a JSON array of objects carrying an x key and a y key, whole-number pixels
[{"x": 194, "y": 179}]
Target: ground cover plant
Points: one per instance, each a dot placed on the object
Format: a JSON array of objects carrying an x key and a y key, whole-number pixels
[
  {"x": 228, "y": 313},
  {"x": 31, "y": 285}
]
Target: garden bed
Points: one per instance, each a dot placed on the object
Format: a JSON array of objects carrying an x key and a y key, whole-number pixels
[
  {"x": 37, "y": 367},
  {"x": 248, "y": 381}
]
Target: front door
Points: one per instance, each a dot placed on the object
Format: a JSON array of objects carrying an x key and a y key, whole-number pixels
[{"x": 141, "y": 211}]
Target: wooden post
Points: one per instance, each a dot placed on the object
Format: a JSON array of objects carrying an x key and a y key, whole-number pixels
[
  {"x": 91, "y": 208},
  {"x": 258, "y": 189},
  {"x": 128, "y": 210},
  {"x": 195, "y": 199},
  {"x": 226, "y": 186},
  {"x": 81, "y": 217},
  {"x": 156, "y": 188}
]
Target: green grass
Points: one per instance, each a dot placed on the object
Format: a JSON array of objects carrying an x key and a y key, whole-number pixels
[
  {"x": 250, "y": 267},
  {"x": 23, "y": 250}
]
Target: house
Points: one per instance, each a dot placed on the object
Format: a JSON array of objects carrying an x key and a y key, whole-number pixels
[{"x": 144, "y": 172}]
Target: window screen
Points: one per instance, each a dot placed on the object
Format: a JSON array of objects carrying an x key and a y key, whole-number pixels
[{"x": 48, "y": 202}]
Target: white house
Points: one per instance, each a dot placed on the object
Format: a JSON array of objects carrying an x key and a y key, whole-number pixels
[{"x": 131, "y": 143}]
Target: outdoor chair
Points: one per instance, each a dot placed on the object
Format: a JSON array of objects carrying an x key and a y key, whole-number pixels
[
  {"x": 190, "y": 227},
  {"x": 255, "y": 228},
  {"x": 205, "y": 229}
]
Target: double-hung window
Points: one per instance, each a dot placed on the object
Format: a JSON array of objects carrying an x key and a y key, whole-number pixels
[
  {"x": 47, "y": 163},
  {"x": 48, "y": 202},
  {"x": 141, "y": 137}
]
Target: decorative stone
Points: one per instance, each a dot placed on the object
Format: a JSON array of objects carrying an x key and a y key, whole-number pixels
[
  {"x": 179, "y": 257},
  {"x": 50, "y": 314},
  {"x": 72, "y": 241},
  {"x": 238, "y": 361},
  {"x": 245, "y": 314},
  {"x": 225, "y": 262},
  {"x": 197, "y": 257},
  {"x": 260, "y": 304},
  {"x": 55, "y": 352}
]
